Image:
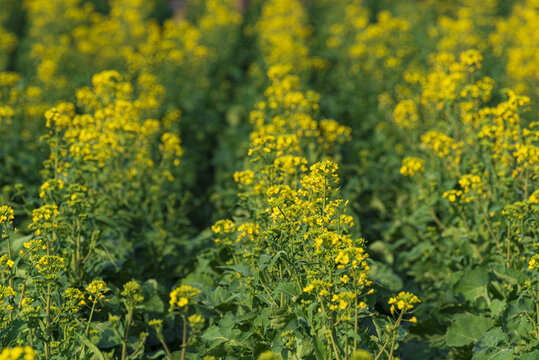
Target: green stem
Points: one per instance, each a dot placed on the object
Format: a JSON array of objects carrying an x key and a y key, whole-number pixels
[
  {"x": 355, "y": 315},
  {"x": 137, "y": 349},
  {"x": 77, "y": 254},
  {"x": 437, "y": 220},
  {"x": 10, "y": 275},
  {"x": 508, "y": 255},
  {"x": 281, "y": 276},
  {"x": 126, "y": 336},
  {"x": 333, "y": 343},
  {"x": 395, "y": 334},
  {"x": 166, "y": 348},
  {"x": 81, "y": 354},
  {"x": 537, "y": 312},
  {"x": 184, "y": 338},
  {"x": 48, "y": 322},
  {"x": 90, "y": 319},
  {"x": 346, "y": 347},
  {"x": 382, "y": 349}
]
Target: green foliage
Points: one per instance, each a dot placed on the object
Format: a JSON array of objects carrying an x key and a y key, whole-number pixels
[{"x": 346, "y": 153}]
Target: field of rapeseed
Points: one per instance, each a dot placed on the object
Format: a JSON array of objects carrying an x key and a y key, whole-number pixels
[{"x": 269, "y": 179}]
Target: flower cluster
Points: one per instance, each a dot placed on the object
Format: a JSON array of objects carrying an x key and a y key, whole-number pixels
[
  {"x": 182, "y": 296},
  {"x": 412, "y": 165},
  {"x": 97, "y": 290},
  {"x": 18, "y": 353},
  {"x": 514, "y": 40},
  {"x": 404, "y": 301},
  {"x": 6, "y": 215}
]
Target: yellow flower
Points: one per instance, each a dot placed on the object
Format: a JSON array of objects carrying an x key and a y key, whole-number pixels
[
  {"x": 225, "y": 226},
  {"x": 533, "y": 264},
  {"x": 6, "y": 214},
  {"x": 195, "y": 321},
  {"x": 18, "y": 353},
  {"x": 404, "y": 301},
  {"x": 471, "y": 59},
  {"x": 308, "y": 289},
  {"x": 342, "y": 259},
  {"x": 97, "y": 290},
  {"x": 244, "y": 177},
  {"x": 534, "y": 197},
  {"x": 452, "y": 195},
  {"x": 412, "y": 165},
  {"x": 405, "y": 114},
  {"x": 181, "y": 296}
]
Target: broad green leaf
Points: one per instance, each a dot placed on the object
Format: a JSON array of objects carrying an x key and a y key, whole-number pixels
[
  {"x": 319, "y": 349},
  {"x": 509, "y": 275},
  {"x": 534, "y": 355},
  {"x": 516, "y": 323},
  {"x": 496, "y": 307},
  {"x": 493, "y": 346},
  {"x": 473, "y": 284},
  {"x": 289, "y": 289},
  {"x": 9, "y": 334},
  {"x": 306, "y": 349},
  {"x": 495, "y": 354},
  {"x": 217, "y": 297},
  {"x": 467, "y": 329},
  {"x": 225, "y": 332},
  {"x": 213, "y": 337}
]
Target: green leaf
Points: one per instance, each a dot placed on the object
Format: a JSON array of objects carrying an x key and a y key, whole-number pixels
[
  {"x": 109, "y": 338},
  {"x": 225, "y": 332},
  {"x": 473, "y": 284},
  {"x": 310, "y": 311},
  {"x": 495, "y": 354},
  {"x": 509, "y": 275},
  {"x": 152, "y": 301},
  {"x": 319, "y": 349},
  {"x": 534, "y": 355},
  {"x": 10, "y": 334},
  {"x": 214, "y": 337},
  {"x": 289, "y": 289},
  {"x": 275, "y": 258},
  {"x": 263, "y": 262},
  {"x": 384, "y": 275},
  {"x": 382, "y": 249},
  {"x": 263, "y": 318},
  {"x": 216, "y": 297},
  {"x": 351, "y": 333},
  {"x": 515, "y": 321},
  {"x": 92, "y": 347},
  {"x": 306, "y": 349},
  {"x": 467, "y": 329},
  {"x": 493, "y": 346},
  {"x": 497, "y": 307}
]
